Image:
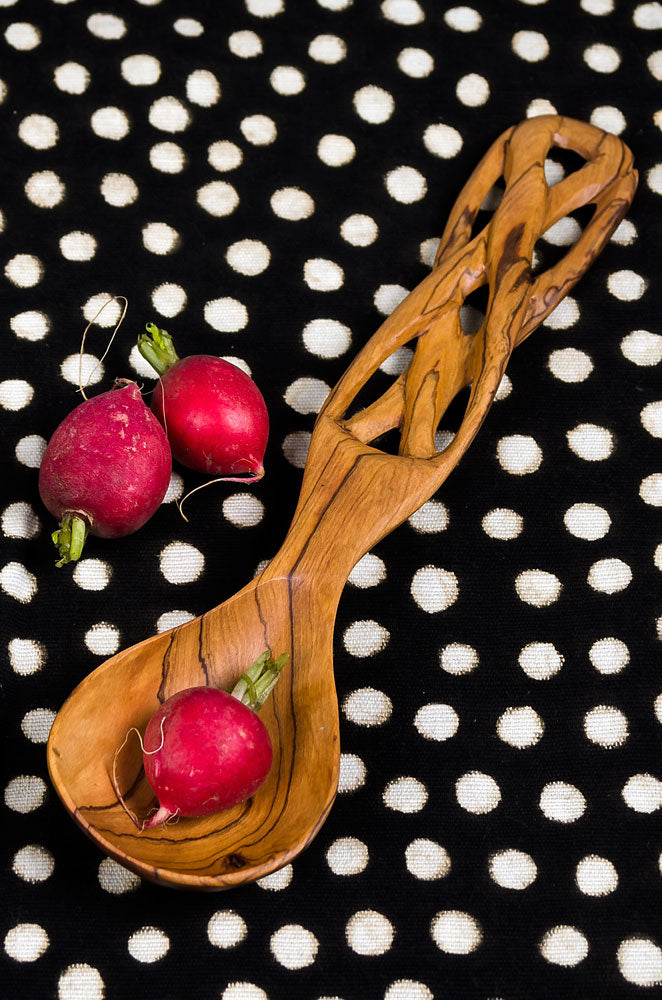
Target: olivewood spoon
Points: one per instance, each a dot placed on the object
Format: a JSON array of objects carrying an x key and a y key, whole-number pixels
[{"x": 352, "y": 495}]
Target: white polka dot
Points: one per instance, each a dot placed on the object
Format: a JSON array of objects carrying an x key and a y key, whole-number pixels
[
  {"x": 463, "y": 19},
  {"x": 287, "y": 80},
  {"x": 519, "y": 454},
  {"x": 387, "y": 297},
  {"x": 244, "y": 510},
  {"x": 513, "y": 869},
  {"x": 30, "y": 325},
  {"x": 609, "y": 656},
  {"x": 563, "y": 233},
  {"x": 259, "y": 130},
  {"x": 430, "y": 518},
  {"x": 25, "y": 793},
  {"x": 226, "y": 929},
  {"x": 116, "y": 879},
  {"x": 295, "y": 448},
  {"x": 147, "y": 945},
  {"x": 478, "y": 793},
  {"x": 85, "y": 369},
  {"x": 365, "y": 638},
  {"x": 33, "y": 863},
  {"x": 654, "y": 63},
  {"x": 249, "y": 257},
  {"x": 520, "y": 727},
  {"x": 243, "y": 990},
  {"x": 626, "y": 285},
  {"x": 169, "y": 299},
  {"x": 427, "y": 860},
  {"x": 405, "y": 795},
  {"x": 26, "y": 942},
  {"x": 79, "y": 981},
  {"x": 306, "y": 395},
  {"x": 92, "y": 574},
  {"x": 643, "y": 793},
  {"x": 171, "y": 619},
  {"x": 442, "y": 140},
  {"x": 369, "y": 571},
  {"x": 434, "y": 589},
  {"x": 609, "y": 576},
  {"x": 276, "y": 881},
  {"x": 30, "y": 450},
  {"x": 71, "y": 78},
  {"x": 640, "y": 961},
  {"x": 167, "y": 157},
  {"x": 22, "y": 36},
  {"x": 609, "y": 119},
  {"x": 202, "y": 88},
  {"x": 406, "y": 184},
  {"x": 352, "y": 773},
  {"x": 110, "y": 123},
  {"x": 570, "y": 365},
  {"x": 218, "y": 198},
  {"x": 107, "y": 316},
  {"x": 651, "y": 418},
  {"x": 336, "y": 150},
  {"x": 103, "y": 639},
  {"x": 456, "y": 932},
  {"x": 607, "y": 726},
  {"x": 141, "y": 70},
  {"x": 597, "y": 7},
  {"x": 328, "y": 49},
  {"x": 24, "y": 270},
  {"x": 44, "y": 189},
  {"x": 15, "y": 394},
  {"x": 119, "y": 190},
  {"x": 323, "y": 275},
  {"x": 168, "y": 114},
  {"x": 78, "y": 246},
  {"x": 402, "y": 11},
  {"x": 537, "y": 587},
  {"x": 264, "y": 8},
  {"x": 564, "y": 945},
  {"x": 502, "y": 523},
  {"x": 39, "y": 131},
  {"x": 587, "y": 520},
  {"x": 26, "y": 656},
  {"x": 293, "y": 946},
  {"x": 648, "y": 16},
  {"x": 416, "y": 63},
  {"x": 532, "y": 46},
  {"x": 292, "y": 203},
  {"x": 106, "y": 26},
  {"x": 188, "y": 27},
  {"x": 369, "y": 933},
  {"x": 326, "y": 338},
  {"x": 245, "y": 44},
  {"x": 540, "y": 660},
  {"x": 540, "y": 106},
  {"x": 397, "y": 362},
  {"x": 590, "y": 442},
  {"x": 472, "y": 90},
  {"x": 181, "y": 562},
  {"x": 458, "y": 658},
  {"x": 36, "y": 724},
  {"x": 347, "y": 856},
  {"x": 373, "y": 104},
  {"x": 642, "y": 348},
  {"x": 565, "y": 315},
  {"x": 335, "y": 4},
  {"x": 596, "y": 876},
  {"x": 436, "y": 722},
  {"x": 226, "y": 315},
  {"x": 18, "y": 582},
  {"x": 650, "y": 489},
  {"x": 224, "y": 155},
  {"x": 625, "y": 234},
  {"x": 20, "y": 521},
  {"x": 602, "y": 58},
  {"x": 561, "y": 802},
  {"x": 160, "y": 238}
]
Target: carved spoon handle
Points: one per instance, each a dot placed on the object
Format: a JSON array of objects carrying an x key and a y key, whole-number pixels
[{"x": 352, "y": 493}]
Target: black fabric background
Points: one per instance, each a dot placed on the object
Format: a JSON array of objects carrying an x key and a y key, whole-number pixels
[{"x": 86, "y": 924}]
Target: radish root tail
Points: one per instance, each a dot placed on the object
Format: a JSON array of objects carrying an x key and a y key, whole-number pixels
[
  {"x": 113, "y": 298},
  {"x": 253, "y": 478},
  {"x": 113, "y": 776}
]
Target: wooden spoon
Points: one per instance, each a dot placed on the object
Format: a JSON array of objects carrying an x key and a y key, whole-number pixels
[{"x": 352, "y": 495}]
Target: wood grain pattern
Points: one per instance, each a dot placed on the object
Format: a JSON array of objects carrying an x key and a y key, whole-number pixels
[{"x": 352, "y": 495}]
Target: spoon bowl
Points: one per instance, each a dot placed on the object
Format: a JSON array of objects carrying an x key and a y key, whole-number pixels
[{"x": 353, "y": 493}]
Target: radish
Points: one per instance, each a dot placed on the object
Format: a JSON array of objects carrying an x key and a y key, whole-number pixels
[
  {"x": 213, "y": 413},
  {"x": 210, "y": 750},
  {"x": 105, "y": 470}
]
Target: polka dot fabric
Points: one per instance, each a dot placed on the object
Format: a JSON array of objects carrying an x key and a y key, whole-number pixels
[{"x": 268, "y": 184}]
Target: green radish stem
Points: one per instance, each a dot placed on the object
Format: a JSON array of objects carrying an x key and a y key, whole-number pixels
[
  {"x": 157, "y": 348},
  {"x": 69, "y": 538},
  {"x": 256, "y": 684}
]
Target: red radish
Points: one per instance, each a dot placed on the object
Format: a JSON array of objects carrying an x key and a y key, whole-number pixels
[
  {"x": 205, "y": 750},
  {"x": 105, "y": 470},
  {"x": 213, "y": 413}
]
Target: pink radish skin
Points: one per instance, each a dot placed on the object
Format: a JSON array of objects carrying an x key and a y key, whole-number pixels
[
  {"x": 204, "y": 751},
  {"x": 108, "y": 463},
  {"x": 213, "y": 413}
]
